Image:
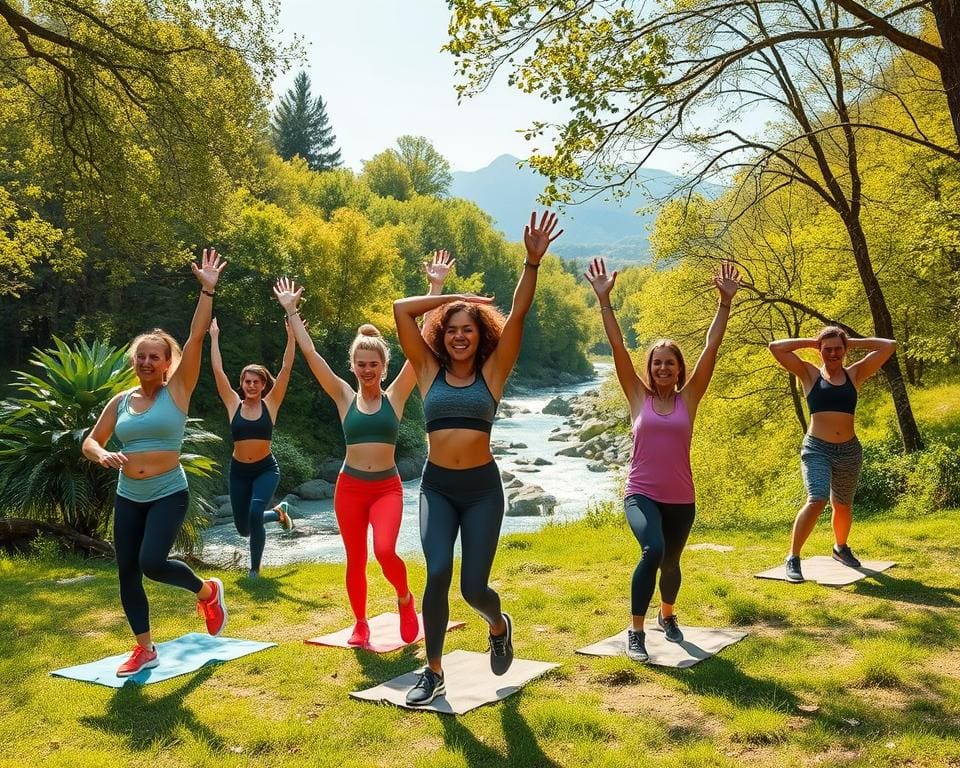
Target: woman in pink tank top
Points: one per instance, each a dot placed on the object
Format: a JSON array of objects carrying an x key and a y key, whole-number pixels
[{"x": 659, "y": 500}]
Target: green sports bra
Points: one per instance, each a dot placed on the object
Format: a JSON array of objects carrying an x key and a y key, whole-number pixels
[{"x": 380, "y": 427}]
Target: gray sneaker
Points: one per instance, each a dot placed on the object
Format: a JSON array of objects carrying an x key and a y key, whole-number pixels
[
  {"x": 428, "y": 686},
  {"x": 794, "y": 574},
  {"x": 670, "y": 627},
  {"x": 636, "y": 650},
  {"x": 501, "y": 648},
  {"x": 843, "y": 555}
]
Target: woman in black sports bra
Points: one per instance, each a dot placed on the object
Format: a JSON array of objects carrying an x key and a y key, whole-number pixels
[
  {"x": 831, "y": 456},
  {"x": 254, "y": 472},
  {"x": 462, "y": 362}
]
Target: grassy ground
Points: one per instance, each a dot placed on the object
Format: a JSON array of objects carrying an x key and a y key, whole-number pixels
[{"x": 864, "y": 675}]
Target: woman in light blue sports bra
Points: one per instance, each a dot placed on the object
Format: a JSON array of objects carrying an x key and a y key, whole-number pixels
[{"x": 152, "y": 495}]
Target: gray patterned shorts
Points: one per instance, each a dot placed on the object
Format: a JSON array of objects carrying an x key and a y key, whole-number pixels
[{"x": 830, "y": 470}]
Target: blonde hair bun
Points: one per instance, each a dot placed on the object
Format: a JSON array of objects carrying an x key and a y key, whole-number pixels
[{"x": 367, "y": 329}]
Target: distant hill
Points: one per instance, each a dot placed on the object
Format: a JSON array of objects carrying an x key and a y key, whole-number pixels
[{"x": 599, "y": 227}]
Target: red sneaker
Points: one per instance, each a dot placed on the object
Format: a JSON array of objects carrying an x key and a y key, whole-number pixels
[
  {"x": 141, "y": 658},
  {"x": 213, "y": 609},
  {"x": 409, "y": 622},
  {"x": 361, "y": 634}
]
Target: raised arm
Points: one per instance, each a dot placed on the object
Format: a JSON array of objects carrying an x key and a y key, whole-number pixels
[
  {"x": 227, "y": 394},
  {"x": 274, "y": 398},
  {"x": 184, "y": 379},
  {"x": 288, "y": 294},
  {"x": 437, "y": 270},
  {"x": 602, "y": 284},
  {"x": 878, "y": 352},
  {"x": 727, "y": 282},
  {"x": 93, "y": 444},
  {"x": 784, "y": 352},
  {"x": 536, "y": 239}
]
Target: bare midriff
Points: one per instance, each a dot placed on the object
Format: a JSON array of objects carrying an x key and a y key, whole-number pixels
[
  {"x": 832, "y": 426},
  {"x": 249, "y": 451},
  {"x": 140, "y": 466},
  {"x": 371, "y": 457},
  {"x": 459, "y": 448}
]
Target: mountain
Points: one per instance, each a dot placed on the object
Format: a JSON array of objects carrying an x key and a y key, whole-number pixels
[{"x": 616, "y": 229}]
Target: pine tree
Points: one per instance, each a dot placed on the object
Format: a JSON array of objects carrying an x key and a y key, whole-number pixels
[{"x": 300, "y": 126}]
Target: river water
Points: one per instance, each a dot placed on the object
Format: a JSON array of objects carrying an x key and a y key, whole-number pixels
[{"x": 567, "y": 479}]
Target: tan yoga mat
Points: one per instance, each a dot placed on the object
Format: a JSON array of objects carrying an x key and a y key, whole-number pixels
[
  {"x": 384, "y": 634},
  {"x": 699, "y": 643},
  {"x": 470, "y": 683},
  {"x": 827, "y": 571}
]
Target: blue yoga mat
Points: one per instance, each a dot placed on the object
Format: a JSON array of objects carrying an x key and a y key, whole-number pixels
[{"x": 177, "y": 657}]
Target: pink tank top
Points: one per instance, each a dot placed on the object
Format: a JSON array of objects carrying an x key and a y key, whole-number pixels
[{"x": 660, "y": 466}]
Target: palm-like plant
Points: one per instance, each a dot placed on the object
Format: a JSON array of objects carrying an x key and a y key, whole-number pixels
[{"x": 43, "y": 472}]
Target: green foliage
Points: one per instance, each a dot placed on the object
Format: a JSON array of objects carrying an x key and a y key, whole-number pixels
[
  {"x": 388, "y": 176},
  {"x": 296, "y": 466},
  {"x": 300, "y": 127},
  {"x": 43, "y": 472},
  {"x": 924, "y": 481},
  {"x": 429, "y": 170}
]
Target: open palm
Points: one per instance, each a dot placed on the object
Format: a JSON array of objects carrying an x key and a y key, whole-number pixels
[
  {"x": 538, "y": 238},
  {"x": 288, "y": 294},
  {"x": 208, "y": 272},
  {"x": 727, "y": 281},
  {"x": 597, "y": 276},
  {"x": 439, "y": 267}
]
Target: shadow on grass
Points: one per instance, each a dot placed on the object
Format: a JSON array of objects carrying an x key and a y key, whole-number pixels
[
  {"x": 379, "y": 667},
  {"x": 144, "y": 722},
  {"x": 720, "y": 677},
  {"x": 271, "y": 587},
  {"x": 909, "y": 591}
]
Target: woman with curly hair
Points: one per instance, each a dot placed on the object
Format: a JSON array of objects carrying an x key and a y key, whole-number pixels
[{"x": 462, "y": 362}]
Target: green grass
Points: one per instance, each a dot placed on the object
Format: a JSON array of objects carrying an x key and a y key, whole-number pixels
[{"x": 866, "y": 675}]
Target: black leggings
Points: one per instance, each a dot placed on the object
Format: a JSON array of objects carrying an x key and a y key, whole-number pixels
[
  {"x": 252, "y": 486},
  {"x": 143, "y": 535},
  {"x": 662, "y": 530},
  {"x": 471, "y": 501}
]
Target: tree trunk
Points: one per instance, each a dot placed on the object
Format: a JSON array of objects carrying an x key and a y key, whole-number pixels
[
  {"x": 947, "y": 15},
  {"x": 796, "y": 397},
  {"x": 18, "y": 532},
  {"x": 883, "y": 327}
]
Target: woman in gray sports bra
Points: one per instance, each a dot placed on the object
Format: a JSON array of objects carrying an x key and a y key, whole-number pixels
[{"x": 462, "y": 362}]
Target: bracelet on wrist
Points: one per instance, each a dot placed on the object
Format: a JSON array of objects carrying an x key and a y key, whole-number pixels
[
  {"x": 603, "y": 308},
  {"x": 293, "y": 314},
  {"x": 205, "y": 292},
  {"x": 724, "y": 305},
  {"x": 531, "y": 264}
]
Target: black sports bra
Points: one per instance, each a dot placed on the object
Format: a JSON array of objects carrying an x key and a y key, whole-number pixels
[
  {"x": 251, "y": 429},
  {"x": 838, "y": 398}
]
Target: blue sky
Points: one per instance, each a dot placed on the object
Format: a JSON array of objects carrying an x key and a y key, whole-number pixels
[{"x": 379, "y": 68}]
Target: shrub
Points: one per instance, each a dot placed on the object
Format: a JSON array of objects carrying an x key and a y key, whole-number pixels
[{"x": 295, "y": 466}]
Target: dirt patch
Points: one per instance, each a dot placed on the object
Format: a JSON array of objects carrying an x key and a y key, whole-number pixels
[
  {"x": 679, "y": 714},
  {"x": 833, "y": 756}
]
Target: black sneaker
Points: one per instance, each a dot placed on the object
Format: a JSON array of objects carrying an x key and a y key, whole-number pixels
[
  {"x": 670, "y": 627},
  {"x": 501, "y": 648},
  {"x": 428, "y": 686},
  {"x": 845, "y": 556},
  {"x": 636, "y": 650},
  {"x": 794, "y": 574}
]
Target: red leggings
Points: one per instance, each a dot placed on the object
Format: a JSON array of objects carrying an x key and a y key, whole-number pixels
[{"x": 378, "y": 503}]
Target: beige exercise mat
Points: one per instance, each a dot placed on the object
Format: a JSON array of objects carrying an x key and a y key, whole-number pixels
[
  {"x": 470, "y": 683},
  {"x": 384, "y": 634},
  {"x": 827, "y": 571},
  {"x": 699, "y": 643}
]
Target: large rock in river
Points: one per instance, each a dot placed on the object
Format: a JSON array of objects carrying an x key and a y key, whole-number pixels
[
  {"x": 530, "y": 501},
  {"x": 314, "y": 490},
  {"x": 558, "y": 407}
]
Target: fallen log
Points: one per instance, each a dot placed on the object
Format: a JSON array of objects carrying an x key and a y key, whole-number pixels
[{"x": 16, "y": 533}]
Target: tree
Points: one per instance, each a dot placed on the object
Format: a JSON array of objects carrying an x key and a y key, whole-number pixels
[
  {"x": 693, "y": 74},
  {"x": 429, "y": 170},
  {"x": 300, "y": 126},
  {"x": 388, "y": 176}
]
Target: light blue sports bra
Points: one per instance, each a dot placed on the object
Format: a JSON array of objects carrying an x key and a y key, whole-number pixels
[{"x": 159, "y": 428}]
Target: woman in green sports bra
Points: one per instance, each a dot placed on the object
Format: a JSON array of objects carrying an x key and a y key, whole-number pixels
[{"x": 368, "y": 492}]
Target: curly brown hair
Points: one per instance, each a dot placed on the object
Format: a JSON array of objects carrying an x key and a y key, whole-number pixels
[{"x": 489, "y": 322}]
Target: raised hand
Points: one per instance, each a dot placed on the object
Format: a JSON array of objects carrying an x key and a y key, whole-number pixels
[
  {"x": 214, "y": 329},
  {"x": 601, "y": 282},
  {"x": 208, "y": 273},
  {"x": 438, "y": 268},
  {"x": 288, "y": 294},
  {"x": 538, "y": 238},
  {"x": 727, "y": 281}
]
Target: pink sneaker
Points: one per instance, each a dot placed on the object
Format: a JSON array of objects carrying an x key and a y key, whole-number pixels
[
  {"x": 409, "y": 622},
  {"x": 361, "y": 634},
  {"x": 140, "y": 659},
  {"x": 214, "y": 609}
]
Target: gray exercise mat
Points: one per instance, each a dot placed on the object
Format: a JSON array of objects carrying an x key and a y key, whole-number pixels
[
  {"x": 470, "y": 683},
  {"x": 699, "y": 643},
  {"x": 827, "y": 571}
]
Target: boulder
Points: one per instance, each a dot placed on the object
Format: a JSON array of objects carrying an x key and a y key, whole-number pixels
[
  {"x": 329, "y": 469},
  {"x": 592, "y": 428},
  {"x": 315, "y": 490},
  {"x": 597, "y": 466},
  {"x": 514, "y": 483},
  {"x": 570, "y": 450},
  {"x": 530, "y": 501},
  {"x": 506, "y": 476},
  {"x": 558, "y": 407},
  {"x": 541, "y": 462},
  {"x": 518, "y": 445},
  {"x": 560, "y": 437},
  {"x": 410, "y": 467}
]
